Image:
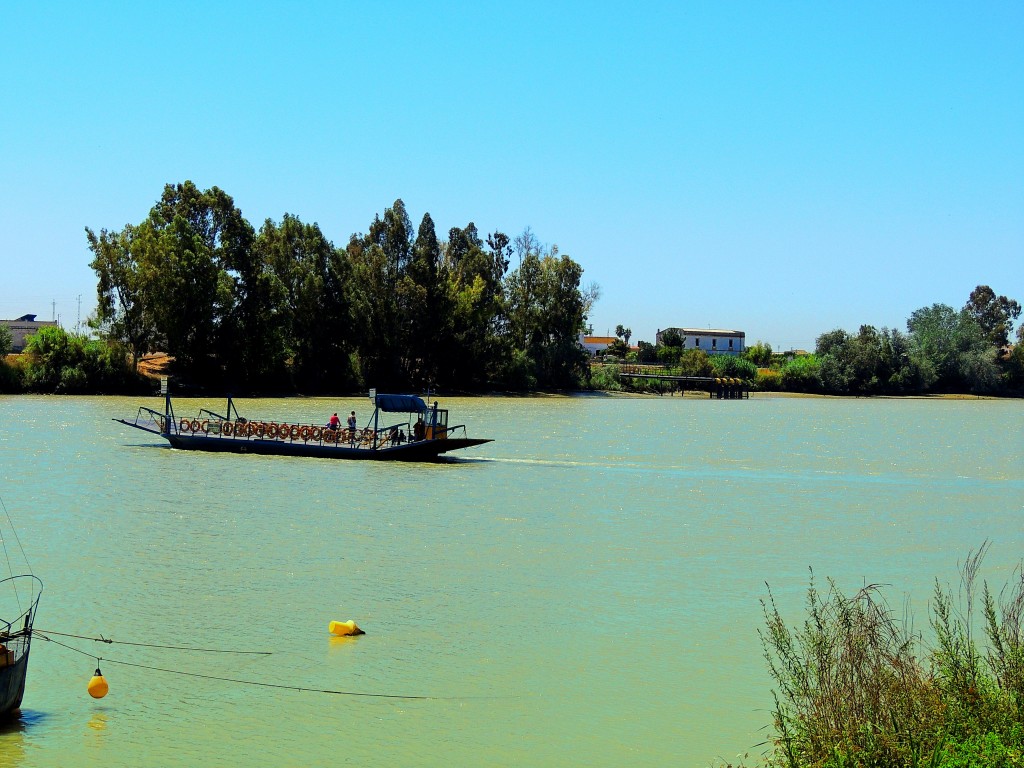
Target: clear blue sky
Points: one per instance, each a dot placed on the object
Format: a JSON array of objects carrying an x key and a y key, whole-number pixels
[{"x": 779, "y": 168}]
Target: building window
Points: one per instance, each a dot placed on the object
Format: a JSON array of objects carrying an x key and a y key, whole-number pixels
[
  {"x": 714, "y": 343},
  {"x": 730, "y": 343},
  {"x": 696, "y": 342}
]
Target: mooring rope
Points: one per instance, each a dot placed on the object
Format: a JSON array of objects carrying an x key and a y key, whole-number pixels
[
  {"x": 16, "y": 537},
  {"x": 7, "y": 555},
  {"x": 273, "y": 685},
  {"x": 109, "y": 641},
  {"x": 280, "y": 686}
]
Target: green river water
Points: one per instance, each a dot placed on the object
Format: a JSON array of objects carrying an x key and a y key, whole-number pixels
[{"x": 583, "y": 591}]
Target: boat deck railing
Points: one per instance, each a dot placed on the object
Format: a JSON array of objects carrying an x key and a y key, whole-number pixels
[
  {"x": 16, "y": 635},
  {"x": 14, "y": 642},
  {"x": 203, "y": 413},
  {"x": 149, "y": 419}
]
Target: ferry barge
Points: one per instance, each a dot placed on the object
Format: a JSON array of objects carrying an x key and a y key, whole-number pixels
[{"x": 422, "y": 433}]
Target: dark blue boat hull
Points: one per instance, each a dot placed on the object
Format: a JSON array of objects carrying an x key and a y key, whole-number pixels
[
  {"x": 12, "y": 687},
  {"x": 423, "y": 450}
]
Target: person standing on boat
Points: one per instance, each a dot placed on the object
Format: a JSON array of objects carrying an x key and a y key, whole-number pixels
[
  {"x": 334, "y": 423},
  {"x": 419, "y": 429},
  {"x": 352, "y": 427}
]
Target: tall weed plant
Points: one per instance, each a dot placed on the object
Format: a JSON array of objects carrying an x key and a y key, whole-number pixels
[{"x": 856, "y": 686}]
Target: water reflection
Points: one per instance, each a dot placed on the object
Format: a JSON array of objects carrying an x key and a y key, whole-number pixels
[
  {"x": 14, "y": 734},
  {"x": 98, "y": 722}
]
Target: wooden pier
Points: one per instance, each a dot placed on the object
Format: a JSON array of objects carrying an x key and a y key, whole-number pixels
[{"x": 717, "y": 387}]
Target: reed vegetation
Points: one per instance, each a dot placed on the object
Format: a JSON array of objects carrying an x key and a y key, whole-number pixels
[{"x": 857, "y": 686}]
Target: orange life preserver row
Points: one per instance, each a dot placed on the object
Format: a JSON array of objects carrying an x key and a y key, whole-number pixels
[{"x": 274, "y": 431}]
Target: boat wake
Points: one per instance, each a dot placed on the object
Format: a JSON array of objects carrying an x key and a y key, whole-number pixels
[{"x": 548, "y": 462}]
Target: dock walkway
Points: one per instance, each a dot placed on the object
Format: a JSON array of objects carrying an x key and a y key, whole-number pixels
[{"x": 722, "y": 388}]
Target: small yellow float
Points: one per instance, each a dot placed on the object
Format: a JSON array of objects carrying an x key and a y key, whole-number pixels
[{"x": 344, "y": 628}]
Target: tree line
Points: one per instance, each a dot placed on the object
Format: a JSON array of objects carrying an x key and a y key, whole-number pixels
[
  {"x": 282, "y": 309},
  {"x": 944, "y": 350}
]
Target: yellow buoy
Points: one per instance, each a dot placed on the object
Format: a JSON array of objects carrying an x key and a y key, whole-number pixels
[
  {"x": 98, "y": 685},
  {"x": 344, "y": 628}
]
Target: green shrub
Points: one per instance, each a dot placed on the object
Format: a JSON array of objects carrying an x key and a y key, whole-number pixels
[
  {"x": 801, "y": 374},
  {"x": 759, "y": 354},
  {"x": 856, "y": 687},
  {"x": 988, "y": 751},
  {"x": 517, "y": 373},
  {"x": 849, "y": 684},
  {"x": 767, "y": 380},
  {"x": 646, "y": 352},
  {"x": 605, "y": 377},
  {"x": 5, "y": 341},
  {"x": 63, "y": 363},
  {"x": 668, "y": 356},
  {"x": 12, "y": 377},
  {"x": 732, "y": 366},
  {"x": 695, "y": 362}
]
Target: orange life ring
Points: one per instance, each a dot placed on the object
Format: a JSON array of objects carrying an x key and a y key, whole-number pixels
[
  {"x": 227, "y": 428},
  {"x": 184, "y": 426},
  {"x": 294, "y": 431},
  {"x": 205, "y": 426},
  {"x": 194, "y": 426},
  {"x": 305, "y": 432},
  {"x": 316, "y": 433},
  {"x": 272, "y": 430},
  {"x": 261, "y": 429},
  {"x": 330, "y": 435}
]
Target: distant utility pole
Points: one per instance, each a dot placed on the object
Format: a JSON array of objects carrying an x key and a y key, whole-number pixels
[
  {"x": 78, "y": 319},
  {"x": 53, "y": 310}
]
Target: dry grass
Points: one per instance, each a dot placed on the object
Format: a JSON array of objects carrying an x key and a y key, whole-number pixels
[{"x": 155, "y": 364}]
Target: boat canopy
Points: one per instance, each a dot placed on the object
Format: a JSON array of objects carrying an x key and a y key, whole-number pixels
[{"x": 401, "y": 404}]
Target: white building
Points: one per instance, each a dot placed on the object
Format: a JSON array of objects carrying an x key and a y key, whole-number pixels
[
  {"x": 714, "y": 341},
  {"x": 595, "y": 345}
]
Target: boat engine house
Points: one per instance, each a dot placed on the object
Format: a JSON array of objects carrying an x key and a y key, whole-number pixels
[{"x": 711, "y": 340}]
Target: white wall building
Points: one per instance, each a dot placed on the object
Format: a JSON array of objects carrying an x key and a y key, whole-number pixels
[
  {"x": 714, "y": 341},
  {"x": 595, "y": 345}
]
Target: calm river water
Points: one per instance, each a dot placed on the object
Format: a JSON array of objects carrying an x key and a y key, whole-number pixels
[{"x": 584, "y": 591}]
